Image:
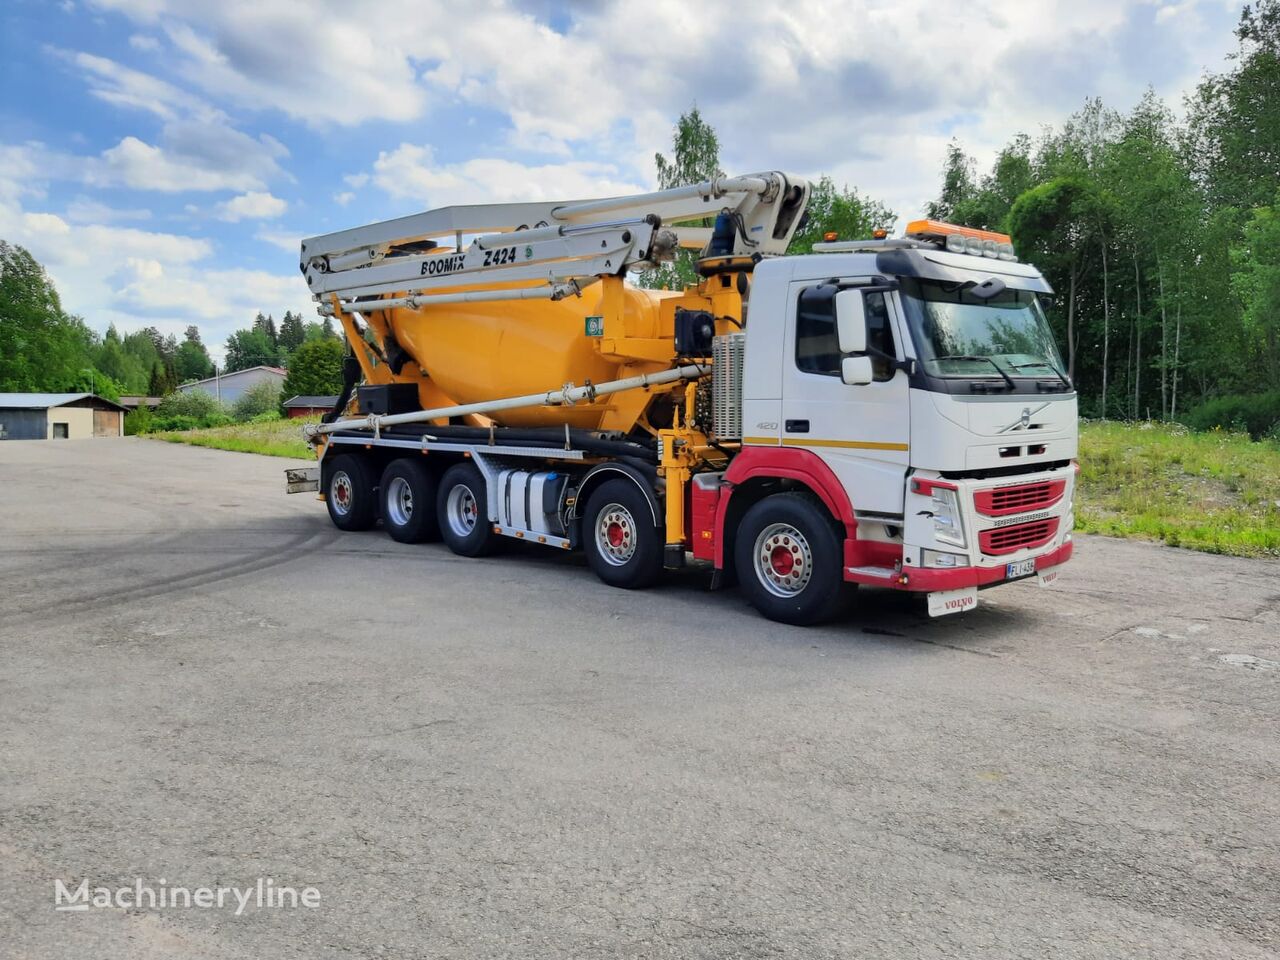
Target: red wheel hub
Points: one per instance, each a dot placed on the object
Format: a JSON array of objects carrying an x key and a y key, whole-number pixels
[
  {"x": 782, "y": 560},
  {"x": 616, "y": 534}
]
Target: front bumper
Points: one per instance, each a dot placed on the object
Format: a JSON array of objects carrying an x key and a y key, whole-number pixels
[{"x": 931, "y": 580}]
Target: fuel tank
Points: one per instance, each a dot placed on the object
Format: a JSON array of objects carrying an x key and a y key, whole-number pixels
[{"x": 489, "y": 350}]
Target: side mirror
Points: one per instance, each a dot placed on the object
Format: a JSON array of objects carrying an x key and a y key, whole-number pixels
[
  {"x": 851, "y": 321},
  {"x": 856, "y": 371}
]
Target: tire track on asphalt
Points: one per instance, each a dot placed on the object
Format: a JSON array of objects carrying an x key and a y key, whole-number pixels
[{"x": 254, "y": 562}]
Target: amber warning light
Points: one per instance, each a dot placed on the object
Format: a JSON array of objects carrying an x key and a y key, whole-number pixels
[{"x": 958, "y": 239}]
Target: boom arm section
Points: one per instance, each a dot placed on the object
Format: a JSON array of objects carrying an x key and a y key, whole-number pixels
[{"x": 542, "y": 250}]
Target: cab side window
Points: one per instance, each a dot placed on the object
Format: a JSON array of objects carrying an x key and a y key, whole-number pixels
[{"x": 818, "y": 348}]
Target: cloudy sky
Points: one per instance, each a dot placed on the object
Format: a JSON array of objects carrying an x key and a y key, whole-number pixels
[{"x": 163, "y": 157}]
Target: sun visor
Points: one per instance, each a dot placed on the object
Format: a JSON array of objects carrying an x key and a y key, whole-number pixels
[{"x": 958, "y": 268}]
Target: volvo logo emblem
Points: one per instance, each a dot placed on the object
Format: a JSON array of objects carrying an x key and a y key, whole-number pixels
[{"x": 1024, "y": 420}]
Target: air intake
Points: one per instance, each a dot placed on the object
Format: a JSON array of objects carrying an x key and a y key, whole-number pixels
[{"x": 727, "y": 354}]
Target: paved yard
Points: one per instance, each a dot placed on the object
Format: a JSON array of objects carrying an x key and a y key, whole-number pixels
[{"x": 202, "y": 681}]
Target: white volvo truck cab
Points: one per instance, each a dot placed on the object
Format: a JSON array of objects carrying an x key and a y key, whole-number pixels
[{"x": 923, "y": 373}]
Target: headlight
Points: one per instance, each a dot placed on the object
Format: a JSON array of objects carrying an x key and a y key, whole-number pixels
[
  {"x": 946, "y": 517},
  {"x": 936, "y": 558}
]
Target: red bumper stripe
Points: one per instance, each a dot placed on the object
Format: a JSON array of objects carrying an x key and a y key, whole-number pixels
[{"x": 930, "y": 579}]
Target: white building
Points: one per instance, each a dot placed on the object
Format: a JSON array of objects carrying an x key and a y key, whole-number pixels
[{"x": 228, "y": 387}]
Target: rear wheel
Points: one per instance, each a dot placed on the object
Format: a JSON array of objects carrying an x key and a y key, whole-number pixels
[
  {"x": 351, "y": 493},
  {"x": 408, "y": 491},
  {"x": 462, "y": 511},
  {"x": 788, "y": 556},
  {"x": 623, "y": 547}
]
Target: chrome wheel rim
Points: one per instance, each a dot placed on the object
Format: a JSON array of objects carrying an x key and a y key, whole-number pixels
[
  {"x": 615, "y": 534},
  {"x": 783, "y": 560},
  {"x": 461, "y": 510},
  {"x": 399, "y": 502},
  {"x": 341, "y": 493}
]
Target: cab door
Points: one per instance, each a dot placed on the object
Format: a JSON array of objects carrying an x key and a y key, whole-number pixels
[{"x": 861, "y": 431}]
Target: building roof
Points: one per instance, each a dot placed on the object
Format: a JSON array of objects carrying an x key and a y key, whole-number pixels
[
  {"x": 307, "y": 401},
  {"x": 138, "y": 401},
  {"x": 43, "y": 401},
  {"x": 280, "y": 371}
]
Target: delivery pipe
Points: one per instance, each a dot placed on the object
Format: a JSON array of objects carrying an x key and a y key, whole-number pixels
[
  {"x": 555, "y": 292},
  {"x": 707, "y": 190},
  {"x": 552, "y": 398}
]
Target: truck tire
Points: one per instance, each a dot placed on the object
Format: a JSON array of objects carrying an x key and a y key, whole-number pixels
[
  {"x": 408, "y": 493},
  {"x": 623, "y": 547},
  {"x": 462, "y": 511},
  {"x": 351, "y": 493},
  {"x": 789, "y": 557}
]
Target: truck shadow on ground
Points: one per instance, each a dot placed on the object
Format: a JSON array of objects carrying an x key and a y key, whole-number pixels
[{"x": 886, "y": 617}]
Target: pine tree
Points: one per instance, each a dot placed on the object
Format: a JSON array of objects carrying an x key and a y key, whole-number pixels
[{"x": 292, "y": 332}]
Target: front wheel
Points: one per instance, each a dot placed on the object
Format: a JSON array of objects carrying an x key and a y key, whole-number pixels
[
  {"x": 788, "y": 555},
  {"x": 623, "y": 547}
]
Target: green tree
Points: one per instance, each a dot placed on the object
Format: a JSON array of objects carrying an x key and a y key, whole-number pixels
[
  {"x": 292, "y": 333},
  {"x": 162, "y": 382},
  {"x": 695, "y": 158},
  {"x": 192, "y": 361},
  {"x": 840, "y": 210},
  {"x": 957, "y": 184},
  {"x": 41, "y": 347},
  {"x": 267, "y": 326},
  {"x": 1234, "y": 134},
  {"x": 315, "y": 369},
  {"x": 1256, "y": 281},
  {"x": 1056, "y": 222},
  {"x": 250, "y": 348}
]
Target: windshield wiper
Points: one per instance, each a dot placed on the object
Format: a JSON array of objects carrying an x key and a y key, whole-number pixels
[
  {"x": 1000, "y": 370},
  {"x": 1044, "y": 363}
]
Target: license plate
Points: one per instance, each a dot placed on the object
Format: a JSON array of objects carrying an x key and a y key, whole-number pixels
[
  {"x": 943, "y": 602},
  {"x": 1023, "y": 568}
]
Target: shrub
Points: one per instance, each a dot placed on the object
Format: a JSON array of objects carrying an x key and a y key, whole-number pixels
[
  {"x": 263, "y": 397},
  {"x": 138, "y": 421},
  {"x": 195, "y": 404},
  {"x": 1258, "y": 413}
]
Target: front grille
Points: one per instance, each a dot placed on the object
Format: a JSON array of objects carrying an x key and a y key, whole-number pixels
[
  {"x": 1018, "y": 537},
  {"x": 1023, "y": 498}
]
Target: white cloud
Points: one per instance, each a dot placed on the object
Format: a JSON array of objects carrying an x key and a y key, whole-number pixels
[
  {"x": 811, "y": 85},
  {"x": 198, "y": 149},
  {"x": 123, "y": 86},
  {"x": 342, "y": 199},
  {"x": 144, "y": 166},
  {"x": 288, "y": 242},
  {"x": 86, "y": 210},
  {"x": 143, "y": 42},
  {"x": 411, "y": 172},
  {"x": 251, "y": 206},
  {"x": 134, "y": 278}
]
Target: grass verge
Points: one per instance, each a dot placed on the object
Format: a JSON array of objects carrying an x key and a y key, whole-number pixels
[
  {"x": 278, "y": 438},
  {"x": 1214, "y": 491}
]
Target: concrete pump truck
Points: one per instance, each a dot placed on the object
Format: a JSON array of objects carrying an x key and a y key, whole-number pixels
[{"x": 889, "y": 412}]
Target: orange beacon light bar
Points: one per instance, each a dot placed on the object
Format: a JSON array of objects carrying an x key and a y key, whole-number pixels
[{"x": 958, "y": 239}]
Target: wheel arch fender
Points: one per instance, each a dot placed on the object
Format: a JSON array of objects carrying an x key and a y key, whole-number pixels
[
  {"x": 748, "y": 474},
  {"x": 612, "y": 470}
]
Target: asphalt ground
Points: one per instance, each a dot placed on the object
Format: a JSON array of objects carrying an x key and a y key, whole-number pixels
[{"x": 202, "y": 681}]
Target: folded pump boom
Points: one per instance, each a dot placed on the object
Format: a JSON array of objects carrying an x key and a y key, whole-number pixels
[{"x": 542, "y": 250}]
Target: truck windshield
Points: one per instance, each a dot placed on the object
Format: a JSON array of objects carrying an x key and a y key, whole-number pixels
[{"x": 960, "y": 335}]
